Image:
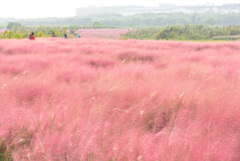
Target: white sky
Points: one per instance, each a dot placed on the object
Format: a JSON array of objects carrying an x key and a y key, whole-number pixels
[{"x": 67, "y": 8}]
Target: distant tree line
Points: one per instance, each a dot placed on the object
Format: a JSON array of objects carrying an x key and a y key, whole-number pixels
[
  {"x": 184, "y": 32},
  {"x": 171, "y": 32},
  {"x": 138, "y": 20}
]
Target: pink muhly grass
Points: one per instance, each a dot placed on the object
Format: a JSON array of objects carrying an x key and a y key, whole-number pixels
[
  {"x": 103, "y": 99},
  {"x": 102, "y": 33}
]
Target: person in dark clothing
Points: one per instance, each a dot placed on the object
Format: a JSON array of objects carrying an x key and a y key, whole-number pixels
[
  {"x": 65, "y": 36},
  {"x": 53, "y": 35},
  {"x": 32, "y": 37}
]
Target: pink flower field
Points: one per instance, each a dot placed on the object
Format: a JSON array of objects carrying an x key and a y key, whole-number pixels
[
  {"x": 103, "y": 33},
  {"x": 119, "y": 100}
]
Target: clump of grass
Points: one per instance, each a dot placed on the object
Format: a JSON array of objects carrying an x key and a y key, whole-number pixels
[
  {"x": 5, "y": 154},
  {"x": 134, "y": 56}
]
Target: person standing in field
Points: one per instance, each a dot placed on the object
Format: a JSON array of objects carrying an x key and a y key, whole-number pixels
[
  {"x": 65, "y": 36},
  {"x": 32, "y": 37},
  {"x": 53, "y": 35}
]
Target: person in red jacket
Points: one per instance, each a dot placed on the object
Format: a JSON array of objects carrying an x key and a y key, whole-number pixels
[{"x": 32, "y": 37}]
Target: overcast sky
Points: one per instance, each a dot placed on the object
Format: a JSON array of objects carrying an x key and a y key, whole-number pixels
[{"x": 67, "y": 8}]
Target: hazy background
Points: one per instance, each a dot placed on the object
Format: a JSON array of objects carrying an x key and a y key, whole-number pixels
[{"x": 67, "y": 8}]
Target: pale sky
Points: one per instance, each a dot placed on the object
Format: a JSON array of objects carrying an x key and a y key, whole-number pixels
[{"x": 67, "y": 8}]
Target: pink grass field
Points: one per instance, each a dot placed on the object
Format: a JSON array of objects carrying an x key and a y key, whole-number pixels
[
  {"x": 103, "y": 33},
  {"x": 118, "y": 100}
]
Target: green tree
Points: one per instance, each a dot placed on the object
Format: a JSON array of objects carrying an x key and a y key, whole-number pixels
[
  {"x": 211, "y": 21},
  {"x": 14, "y": 25},
  {"x": 194, "y": 19},
  {"x": 97, "y": 25}
]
